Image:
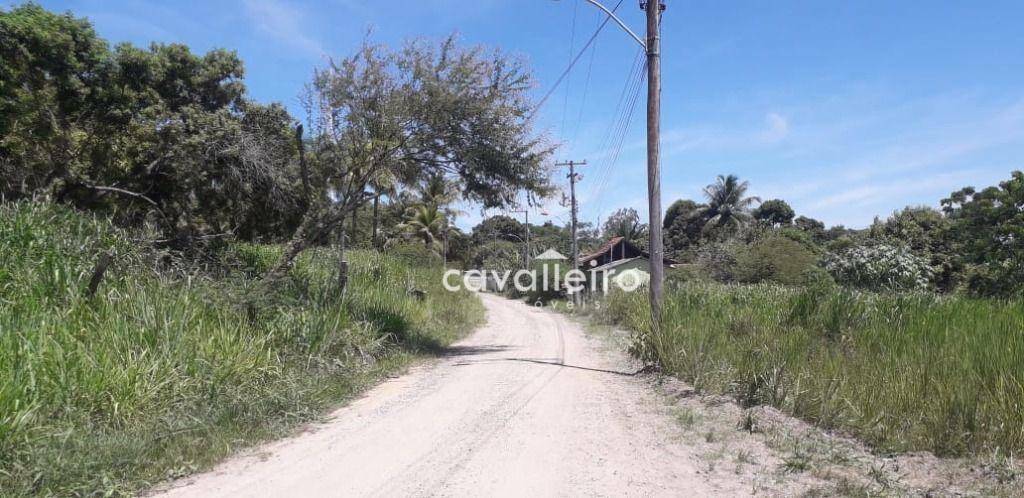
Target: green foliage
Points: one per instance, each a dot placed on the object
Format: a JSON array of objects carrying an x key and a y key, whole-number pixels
[
  {"x": 880, "y": 267},
  {"x": 774, "y": 212},
  {"x": 157, "y": 135},
  {"x": 427, "y": 224},
  {"x": 625, "y": 223},
  {"x": 500, "y": 255},
  {"x": 812, "y": 227},
  {"x": 728, "y": 205},
  {"x": 684, "y": 229},
  {"x": 500, "y": 227},
  {"x": 414, "y": 254},
  {"x": 926, "y": 233},
  {"x": 717, "y": 259},
  {"x": 681, "y": 207},
  {"x": 987, "y": 228},
  {"x": 903, "y": 372},
  {"x": 776, "y": 259},
  {"x": 163, "y": 373}
]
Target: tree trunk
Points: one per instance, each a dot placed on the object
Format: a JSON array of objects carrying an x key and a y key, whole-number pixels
[
  {"x": 342, "y": 264},
  {"x": 352, "y": 231},
  {"x": 376, "y": 220},
  {"x": 308, "y": 230}
]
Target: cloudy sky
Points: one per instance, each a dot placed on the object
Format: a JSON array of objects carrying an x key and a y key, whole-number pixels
[{"x": 847, "y": 110}]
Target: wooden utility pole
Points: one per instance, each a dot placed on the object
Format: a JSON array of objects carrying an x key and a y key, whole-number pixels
[
  {"x": 657, "y": 248},
  {"x": 526, "y": 256},
  {"x": 573, "y": 177}
]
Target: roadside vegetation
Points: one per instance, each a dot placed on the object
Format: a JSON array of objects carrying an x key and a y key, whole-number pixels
[
  {"x": 908, "y": 334},
  {"x": 903, "y": 372},
  {"x": 185, "y": 271},
  {"x": 167, "y": 369}
]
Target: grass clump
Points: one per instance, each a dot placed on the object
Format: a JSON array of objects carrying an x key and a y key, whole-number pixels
[
  {"x": 901, "y": 371},
  {"x": 168, "y": 369}
]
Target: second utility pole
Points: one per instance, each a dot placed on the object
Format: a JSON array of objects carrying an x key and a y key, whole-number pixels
[
  {"x": 657, "y": 249},
  {"x": 573, "y": 210}
]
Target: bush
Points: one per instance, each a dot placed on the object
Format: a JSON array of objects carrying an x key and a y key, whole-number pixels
[
  {"x": 161, "y": 373},
  {"x": 717, "y": 260},
  {"x": 774, "y": 258},
  {"x": 412, "y": 253},
  {"x": 498, "y": 255},
  {"x": 879, "y": 267},
  {"x": 903, "y": 372}
]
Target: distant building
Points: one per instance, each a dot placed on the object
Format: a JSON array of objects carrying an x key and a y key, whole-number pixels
[{"x": 617, "y": 260}]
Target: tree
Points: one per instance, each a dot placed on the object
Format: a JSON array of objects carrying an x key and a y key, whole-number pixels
[
  {"x": 499, "y": 227},
  {"x": 775, "y": 258},
  {"x": 681, "y": 207},
  {"x": 987, "y": 230},
  {"x": 728, "y": 207},
  {"x": 879, "y": 267},
  {"x": 625, "y": 223},
  {"x": 685, "y": 232},
  {"x": 51, "y": 89},
  {"x": 159, "y": 136},
  {"x": 926, "y": 232},
  {"x": 813, "y": 227},
  {"x": 420, "y": 112},
  {"x": 427, "y": 224},
  {"x": 437, "y": 192},
  {"x": 775, "y": 212}
]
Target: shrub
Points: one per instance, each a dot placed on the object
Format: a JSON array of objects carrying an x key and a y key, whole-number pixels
[
  {"x": 774, "y": 259},
  {"x": 498, "y": 255},
  {"x": 903, "y": 372},
  {"x": 163, "y": 372},
  {"x": 717, "y": 260},
  {"x": 879, "y": 267},
  {"x": 413, "y": 253}
]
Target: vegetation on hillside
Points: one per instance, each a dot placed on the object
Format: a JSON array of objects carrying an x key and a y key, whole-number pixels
[{"x": 166, "y": 369}]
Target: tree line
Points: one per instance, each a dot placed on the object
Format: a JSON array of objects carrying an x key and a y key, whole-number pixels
[
  {"x": 973, "y": 243},
  {"x": 167, "y": 139}
]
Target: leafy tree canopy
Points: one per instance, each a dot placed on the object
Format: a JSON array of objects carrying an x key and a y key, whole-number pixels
[
  {"x": 625, "y": 223},
  {"x": 728, "y": 206},
  {"x": 775, "y": 212}
]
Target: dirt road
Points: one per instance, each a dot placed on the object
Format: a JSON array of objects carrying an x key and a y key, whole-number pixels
[{"x": 528, "y": 405}]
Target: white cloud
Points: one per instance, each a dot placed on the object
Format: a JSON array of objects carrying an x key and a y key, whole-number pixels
[
  {"x": 777, "y": 129},
  {"x": 286, "y": 23},
  {"x": 774, "y": 130}
]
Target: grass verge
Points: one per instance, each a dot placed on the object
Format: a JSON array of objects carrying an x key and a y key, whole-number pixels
[
  {"x": 901, "y": 372},
  {"x": 167, "y": 370}
]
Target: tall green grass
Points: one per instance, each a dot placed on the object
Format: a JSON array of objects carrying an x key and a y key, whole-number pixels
[
  {"x": 902, "y": 372},
  {"x": 168, "y": 369}
]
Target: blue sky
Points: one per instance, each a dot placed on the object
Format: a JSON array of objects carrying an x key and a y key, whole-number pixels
[{"x": 845, "y": 109}]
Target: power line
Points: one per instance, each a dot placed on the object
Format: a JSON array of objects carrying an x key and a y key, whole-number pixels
[
  {"x": 571, "y": 64},
  {"x": 621, "y": 140},
  {"x": 572, "y": 48},
  {"x": 616, "y": 132},
  {"x": 606, "y": 141},
  {"x": 586, "y": 88}
]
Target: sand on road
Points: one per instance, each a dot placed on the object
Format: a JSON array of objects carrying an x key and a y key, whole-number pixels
[{"x": 526, "y": 406}]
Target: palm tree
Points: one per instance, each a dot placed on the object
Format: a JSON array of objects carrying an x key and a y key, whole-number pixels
[
  {"x": 728, "y": 205},
  {"x": 426, "y": 223},
  {"x": 440, "y": 193}
]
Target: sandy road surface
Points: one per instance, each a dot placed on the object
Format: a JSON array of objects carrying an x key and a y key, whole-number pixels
[{"x": 526, "y": 406}]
